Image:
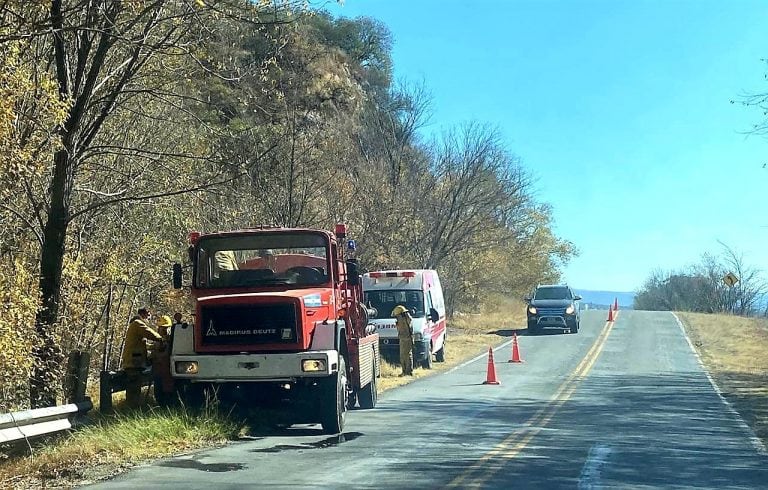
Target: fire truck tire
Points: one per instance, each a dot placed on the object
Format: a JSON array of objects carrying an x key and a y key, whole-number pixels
[
  {"x": 161, "y": 397},
  {"x": 193, "y": 396},
  {"x": 367, "y": 397},
  {"x": 334, "y": 400}
]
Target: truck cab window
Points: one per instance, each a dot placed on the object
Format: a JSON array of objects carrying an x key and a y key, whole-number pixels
[{"x": 293, "y": 260}]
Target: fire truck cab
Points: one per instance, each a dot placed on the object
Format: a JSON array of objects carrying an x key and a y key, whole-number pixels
[
  {"x": 419, "y": 290},
  {"x": 278, "y": 315}
]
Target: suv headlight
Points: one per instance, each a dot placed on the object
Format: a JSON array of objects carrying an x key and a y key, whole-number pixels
[
  {"x": 570, "y": 310},
  {"x": 532, "y": 310}
]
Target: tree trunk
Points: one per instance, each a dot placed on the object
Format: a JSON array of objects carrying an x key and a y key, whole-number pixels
[{"x": 46, "y": 353}]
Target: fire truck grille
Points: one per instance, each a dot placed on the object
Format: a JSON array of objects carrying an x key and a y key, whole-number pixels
[{"x": 249, "y": 325}]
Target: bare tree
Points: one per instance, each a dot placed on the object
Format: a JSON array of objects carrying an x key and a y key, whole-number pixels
[
  {"x": 744, "y": 296},
  {"x": 114, "y": 63}
]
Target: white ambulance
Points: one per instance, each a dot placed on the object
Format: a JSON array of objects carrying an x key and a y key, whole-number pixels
[{"x": 418, "y": 290}]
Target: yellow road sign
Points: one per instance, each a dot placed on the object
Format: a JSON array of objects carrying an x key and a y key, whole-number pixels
[{"x": 730, "y": 279}]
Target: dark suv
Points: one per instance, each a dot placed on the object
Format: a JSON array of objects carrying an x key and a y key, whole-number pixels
[{"x": 553, "y": 306}]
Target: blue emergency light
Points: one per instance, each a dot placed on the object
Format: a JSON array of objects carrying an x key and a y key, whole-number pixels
[{"x": 351, "y": 245}]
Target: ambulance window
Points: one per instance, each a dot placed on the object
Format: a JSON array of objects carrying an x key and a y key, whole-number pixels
[{"x": 385, "y": 302}]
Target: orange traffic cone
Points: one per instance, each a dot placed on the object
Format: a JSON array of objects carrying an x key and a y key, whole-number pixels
[
  {"x": 610, "y": 314},
  {"x": 616, "y": 304},
  {"x": 490, "y": 378},
  {"x": 515, "y": 349}
]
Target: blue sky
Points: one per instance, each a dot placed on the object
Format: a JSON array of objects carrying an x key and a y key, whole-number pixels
[{"x": 619, "y": 109}]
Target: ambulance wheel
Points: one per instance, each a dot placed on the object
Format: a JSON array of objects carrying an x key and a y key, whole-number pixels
[
  {"x": 367, "y": 396},
  {"x": 440, "y": 355},
  {"x": 427, "y": 363},
  {"x": 333, "y": 396}
]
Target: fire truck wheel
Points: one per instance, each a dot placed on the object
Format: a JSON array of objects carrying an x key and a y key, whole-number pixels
[
  {"x": 334, "y": 400},
  {"x": 161, "y": 397},
  {"x": 440, "y": 355},
  {"x": 192, "y": 396},
  {"x": 367, "y": 396}
]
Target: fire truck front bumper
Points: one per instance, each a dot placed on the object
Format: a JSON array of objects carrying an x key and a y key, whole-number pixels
[{"x": 254, "y": 367}]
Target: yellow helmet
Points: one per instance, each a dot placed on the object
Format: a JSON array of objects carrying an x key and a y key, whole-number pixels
[
  {"x": 164, "y": 321},
  {"x": 399, "y": 310}
]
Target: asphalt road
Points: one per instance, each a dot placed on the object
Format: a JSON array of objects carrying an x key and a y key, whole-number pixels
[{"x": 619, "y": 405}]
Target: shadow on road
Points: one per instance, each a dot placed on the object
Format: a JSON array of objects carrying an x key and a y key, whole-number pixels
[{"x": 655, "y": 430}]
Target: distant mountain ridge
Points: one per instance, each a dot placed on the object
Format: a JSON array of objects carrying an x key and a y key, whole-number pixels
[{"x": 605, "y": 298}]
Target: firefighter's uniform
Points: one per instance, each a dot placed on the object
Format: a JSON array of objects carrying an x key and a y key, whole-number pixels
[
  {"x": 162, "y": 381},
  {"x": 405, "y": 338},
  {"x": 135, "y": 358}
]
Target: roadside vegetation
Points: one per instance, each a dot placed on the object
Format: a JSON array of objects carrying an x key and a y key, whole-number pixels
[
  {"x": 719, "y": 283},
  {"x": 734, "y": 350},
  {"x": 110, "y": 444}
]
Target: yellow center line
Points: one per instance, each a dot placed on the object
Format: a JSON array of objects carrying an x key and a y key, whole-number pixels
[{"x": 515, "y": 442}]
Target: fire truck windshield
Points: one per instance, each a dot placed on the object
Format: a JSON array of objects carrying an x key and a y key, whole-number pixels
[{"x": 264, "y": 259}]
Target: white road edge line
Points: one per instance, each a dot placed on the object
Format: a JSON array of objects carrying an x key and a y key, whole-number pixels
[
  {"x": 756, "y": 442},
  {"x": 465, "y": 363},
  {"x": 589, "y": 478}
]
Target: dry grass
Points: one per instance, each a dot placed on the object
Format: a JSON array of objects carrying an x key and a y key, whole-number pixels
[
  {"x": 735, "y": 352},
  {"x": 114, "y": 443}
]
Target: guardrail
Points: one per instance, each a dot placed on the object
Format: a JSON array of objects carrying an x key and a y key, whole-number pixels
[{"x": 26, "y": 424}]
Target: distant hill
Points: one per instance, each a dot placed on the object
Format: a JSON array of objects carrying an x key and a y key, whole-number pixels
[{"x": 597, "y": 299}]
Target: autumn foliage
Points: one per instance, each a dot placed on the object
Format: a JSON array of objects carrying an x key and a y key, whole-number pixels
[{"x": 127, "y": 124}]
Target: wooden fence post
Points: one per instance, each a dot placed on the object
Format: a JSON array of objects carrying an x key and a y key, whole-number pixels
[
  {"x": 76, "y": 380},
  {"x": 105, "y": 392}
]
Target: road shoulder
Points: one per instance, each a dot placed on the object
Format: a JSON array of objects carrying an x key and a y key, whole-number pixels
[{"x": 734, "y": 352}]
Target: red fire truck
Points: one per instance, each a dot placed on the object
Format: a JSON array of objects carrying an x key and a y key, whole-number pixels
[{"x": 278, "y": 315}]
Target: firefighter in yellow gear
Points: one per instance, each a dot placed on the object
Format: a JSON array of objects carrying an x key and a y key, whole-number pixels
[
  {"x": 162, "y": 382},
  {"x": 135, "y": 358},
  {"x": 164, "y": 324},
  {"x": 405, "y": 338}
]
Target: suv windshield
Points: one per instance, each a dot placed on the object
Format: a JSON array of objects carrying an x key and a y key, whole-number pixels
[
  {"x": 298, "y": 259},
  {"x": 385, "y": 302},
  {"x": 559, "y": 292}
]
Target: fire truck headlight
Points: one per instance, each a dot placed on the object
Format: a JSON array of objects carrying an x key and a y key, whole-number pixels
[
  {"x": 313, "y": 365},
  {"x": 186, "y": 367}
]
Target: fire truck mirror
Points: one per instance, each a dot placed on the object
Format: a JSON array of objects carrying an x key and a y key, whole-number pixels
[
  {"x": 353, "y": 274},
  {"x": 177, "y": 276}
]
